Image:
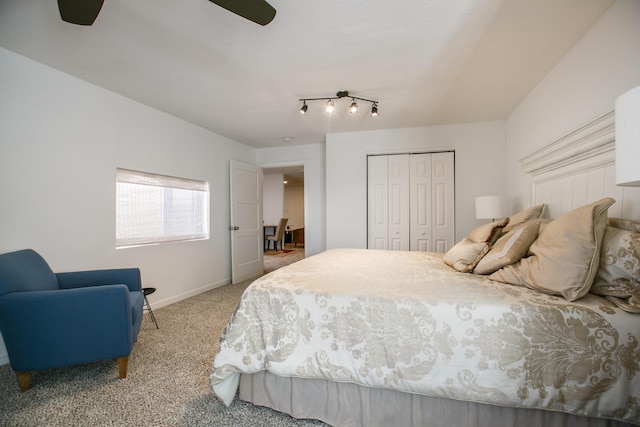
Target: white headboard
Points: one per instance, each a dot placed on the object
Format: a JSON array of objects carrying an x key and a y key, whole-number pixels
[{"x": 579, "y": 168}]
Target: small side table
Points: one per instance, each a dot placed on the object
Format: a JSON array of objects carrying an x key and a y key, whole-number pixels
[{"x": 147, "y": 306}]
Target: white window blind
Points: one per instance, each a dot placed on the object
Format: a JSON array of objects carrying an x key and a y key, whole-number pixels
[{"x": 153, "y": 208}]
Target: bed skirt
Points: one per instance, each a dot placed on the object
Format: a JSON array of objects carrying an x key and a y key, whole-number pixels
[{"x": 350, "y": 405}]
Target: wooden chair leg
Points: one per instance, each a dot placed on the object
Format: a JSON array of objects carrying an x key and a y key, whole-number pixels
[
  {"x": 24, "y": 380},
  {"x": 123, "y": 363}
]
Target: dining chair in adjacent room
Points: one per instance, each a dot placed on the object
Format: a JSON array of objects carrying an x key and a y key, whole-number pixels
[{"x": 279, "y": 235}]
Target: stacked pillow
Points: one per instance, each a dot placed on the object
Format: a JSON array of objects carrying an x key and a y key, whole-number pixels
[
  {"x": 478, "y": 253},
  {"x": 517, "y": 236},
  {"x": 564, "y": 259},
  {"x": 469, "y": 251},
  {"x": 577, "y": 253},
  {"x": 618, "y": 276},
  {"x": 524, "y": 216},
  {"x": 510, "y": 248}
]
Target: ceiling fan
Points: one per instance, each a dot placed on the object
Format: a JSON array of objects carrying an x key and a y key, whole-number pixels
[{"x": 85, "y": 12}]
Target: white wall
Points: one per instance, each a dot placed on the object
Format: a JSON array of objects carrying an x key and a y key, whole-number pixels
[
  {"x": 294, "y": 204},
  {"x": 272, "y": 198},
  {"x": 312, "y": 157},
  {"x": 61, "y": 140},
  {"x": 479, "y": 149},
  {"x": 582, "y": 86}
]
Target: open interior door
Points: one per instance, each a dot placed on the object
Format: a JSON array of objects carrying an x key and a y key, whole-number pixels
[{"x": 246, "y": 221}]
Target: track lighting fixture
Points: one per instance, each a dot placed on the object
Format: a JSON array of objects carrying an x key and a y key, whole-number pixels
[{"x": 331, "y": 107}]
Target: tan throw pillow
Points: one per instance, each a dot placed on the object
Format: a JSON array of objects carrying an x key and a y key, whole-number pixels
[
  {"x": 523, "y": 216},
  {"x": 469, "y": 251},
  {"x": 488, "y": 232},
  {"x": 565, "y": 257},
  {"x": 463, "y": 255},
  {"x": 618, "y": 277},
  {"x": 510, "y": 248}
]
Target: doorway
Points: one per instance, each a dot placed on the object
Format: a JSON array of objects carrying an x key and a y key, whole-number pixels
[{"x": 284, "y": 197}]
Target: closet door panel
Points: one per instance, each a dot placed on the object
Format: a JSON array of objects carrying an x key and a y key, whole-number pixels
[
  {"x": 420, "y": 202},
  {"x": 378, "y": 203},
  {"x": 399, "y": 202},
  {"x": 443, "y": 181}
]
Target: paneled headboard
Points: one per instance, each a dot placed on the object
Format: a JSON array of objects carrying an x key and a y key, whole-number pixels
[{"x": 579, "y": 168}]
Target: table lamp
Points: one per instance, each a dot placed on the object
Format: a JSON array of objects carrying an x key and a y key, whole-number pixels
[
  {"x": 628, "y": 138},
  {"x": 492, "y": 207}
]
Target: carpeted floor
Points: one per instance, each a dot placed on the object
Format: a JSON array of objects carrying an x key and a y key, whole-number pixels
[
  {"x": 274, "y": 260},
  {"x": 167, "y": 382}
]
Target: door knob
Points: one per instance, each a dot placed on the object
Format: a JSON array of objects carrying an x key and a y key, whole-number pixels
[{"x": 234, "y": 228}]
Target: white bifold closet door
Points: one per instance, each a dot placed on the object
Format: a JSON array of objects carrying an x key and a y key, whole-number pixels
[{"x": 411, "y": 202}]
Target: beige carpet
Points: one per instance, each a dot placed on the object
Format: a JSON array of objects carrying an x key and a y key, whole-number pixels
[
  {"x": 272, "y": 252},
  {"x": 273, "y": 261},
  {"x": 167, "y": 382}
]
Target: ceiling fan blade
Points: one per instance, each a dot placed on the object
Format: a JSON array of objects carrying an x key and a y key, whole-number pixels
[
  {"x": 258, "y": 11},
  {"x": 80, "y": 12}
]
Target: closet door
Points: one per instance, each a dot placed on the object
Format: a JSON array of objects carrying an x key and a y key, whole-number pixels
[
  {"x": 388, "y": 202},
  {"x": 411, "y": 202}
]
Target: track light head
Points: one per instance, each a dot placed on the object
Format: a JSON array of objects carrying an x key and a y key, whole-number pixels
[
  {"x": 304, "y": 108},
  {"x": 374, "y": 110},
  {"x": 331, "y": 107},
  {"x": 354, "y": 106}
]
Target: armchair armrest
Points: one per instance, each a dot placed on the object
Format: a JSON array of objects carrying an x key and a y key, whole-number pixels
[
  {"x": 48, "y": 329},
  {"x": 77, "y": 279}
]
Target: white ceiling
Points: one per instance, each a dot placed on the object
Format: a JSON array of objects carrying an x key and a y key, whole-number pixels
[{"x": 427, "y": 62}]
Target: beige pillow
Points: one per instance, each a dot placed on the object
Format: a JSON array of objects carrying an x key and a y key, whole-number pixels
[
  {"x": 510, "y": 248},
  {"x": 618, "y": 277},
  {"x": 523, "y": 216},
  {"x": 625, "y": 224},
  {"x": 469, "y": 251},
  {"x": 463, "y": 255},
  {"x": 488, "y": 232},
  {"x": 565, "y": 257}
]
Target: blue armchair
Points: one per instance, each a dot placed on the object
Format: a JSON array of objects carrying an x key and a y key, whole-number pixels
[{"x": 51, "y": 320}]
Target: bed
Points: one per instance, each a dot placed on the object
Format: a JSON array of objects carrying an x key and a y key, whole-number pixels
[{"x": 526, "y": 321}]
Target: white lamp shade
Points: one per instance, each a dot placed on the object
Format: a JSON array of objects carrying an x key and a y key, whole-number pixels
[
  {"x": 492, "y": 207},
  {"x": 628, "y": 138}
]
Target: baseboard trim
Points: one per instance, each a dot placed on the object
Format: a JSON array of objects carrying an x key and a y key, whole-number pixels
[{"x": 188, "y": 294}]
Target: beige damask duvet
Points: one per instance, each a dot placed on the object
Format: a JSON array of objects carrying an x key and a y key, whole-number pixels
[{"x": 406, "y": 321}]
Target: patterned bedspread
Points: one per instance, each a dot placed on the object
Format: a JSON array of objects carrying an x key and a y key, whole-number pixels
[{"x": 406, "y": 321}]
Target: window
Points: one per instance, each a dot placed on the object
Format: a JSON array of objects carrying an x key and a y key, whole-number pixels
[{"x": 154, "y": 208}]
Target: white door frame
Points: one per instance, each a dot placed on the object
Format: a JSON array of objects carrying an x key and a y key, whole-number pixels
[{"x": 306, "y": 194}]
